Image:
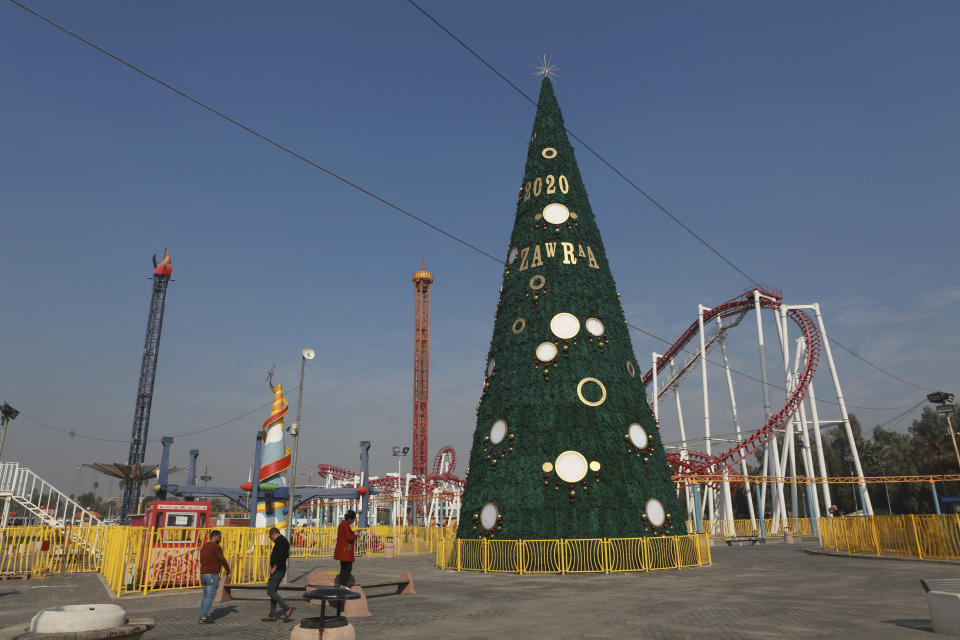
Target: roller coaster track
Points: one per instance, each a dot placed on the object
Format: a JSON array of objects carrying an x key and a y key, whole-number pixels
[{"x": 703, "y": 464}]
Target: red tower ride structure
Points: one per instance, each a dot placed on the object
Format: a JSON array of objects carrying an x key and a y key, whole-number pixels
[{"x": 421, "y": 369}]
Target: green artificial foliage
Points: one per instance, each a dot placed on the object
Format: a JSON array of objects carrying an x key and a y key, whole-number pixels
[{"x": 561, "y": 267}]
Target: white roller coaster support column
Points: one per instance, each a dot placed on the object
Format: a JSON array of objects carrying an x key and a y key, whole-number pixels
[
  {"x": 867, "y": 504},
  {"x": 816, "y": 438},
  {"x": 772, "y": 446},
  {"x": 711, "y": 499},
  {"x": 789, "y": 439},
  {"x": 683, "y": 435},
  {"x": 656, "y": 416},
  {"x": 736, "y": 420},
  {"x": 804, "y": 432}
]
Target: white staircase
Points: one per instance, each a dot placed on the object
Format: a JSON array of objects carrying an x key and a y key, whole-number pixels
[{"x": 45, "y": 502}]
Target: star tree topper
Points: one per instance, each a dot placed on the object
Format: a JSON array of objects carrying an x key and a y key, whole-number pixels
[{"x": 545, "y": 67}]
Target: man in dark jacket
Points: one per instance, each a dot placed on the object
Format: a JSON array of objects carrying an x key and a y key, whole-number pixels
[{"x": 278, "y": 568}]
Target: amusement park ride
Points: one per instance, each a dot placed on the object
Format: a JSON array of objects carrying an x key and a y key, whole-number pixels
[
  {"x": 777, "y": 438},
  {"x": 423, "y": 497}
]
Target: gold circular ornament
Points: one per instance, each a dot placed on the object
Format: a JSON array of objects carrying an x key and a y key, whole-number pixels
[
  {"x": 546, "y": 352},
  {"x": 655, "y": 512},
  {"x": 556, "y": 213},
  {"x": 631, "y": 370},
  {"x": 594, "y": 466},
  {"x": 589, "y": 403},
  {"x": 564, "y": 325},
  {"x": 571, "y": 466},
  {"x": 549, "y": 153},
  {"x": 537, "y": 282},
  {"x": 519, "y": 325},
  {"x": 547, "y": 467},
  {"x": 594, "y": 326}
]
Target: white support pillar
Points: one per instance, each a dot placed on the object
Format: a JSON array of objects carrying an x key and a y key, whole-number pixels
[
  {"x": 804, "y": 432},
  {"x": 706, "y": 400},
  {"x": 780, "y": 505},
  {"x": 683, "y": 435},
  {"x": 822, "y": 465},
  {"x": 867, "y": 504},
  {"x": 736, "y": 420},
  {"x": 789, "y": 439}
]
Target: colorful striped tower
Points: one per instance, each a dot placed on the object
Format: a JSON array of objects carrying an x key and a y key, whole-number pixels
[{"x": 273, "y": 465}]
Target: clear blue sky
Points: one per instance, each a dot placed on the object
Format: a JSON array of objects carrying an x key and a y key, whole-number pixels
[{"x": 815, "y": 145}]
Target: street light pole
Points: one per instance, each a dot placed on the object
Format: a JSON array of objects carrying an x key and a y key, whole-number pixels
[
  {"x": 399, "y": 452},
  {"x": 945, "y": 400},
  {"x": 7, "y": 413},
  {"x": 306, "y": 354},
  {"x": 886, "y": 485}
]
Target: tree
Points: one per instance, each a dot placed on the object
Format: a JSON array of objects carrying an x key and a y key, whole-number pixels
[{"x": 565, "y": 444}]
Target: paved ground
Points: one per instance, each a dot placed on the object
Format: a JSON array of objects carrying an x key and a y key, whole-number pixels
[{"x": 763, "y": 592}]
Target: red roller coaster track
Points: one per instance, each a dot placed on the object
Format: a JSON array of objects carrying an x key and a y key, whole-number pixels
[{"x": 702, "y": 463}]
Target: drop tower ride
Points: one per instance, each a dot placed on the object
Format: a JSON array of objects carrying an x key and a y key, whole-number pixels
[{"x": 134, "y": 475}]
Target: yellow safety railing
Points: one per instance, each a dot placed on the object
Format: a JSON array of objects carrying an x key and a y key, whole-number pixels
[
  {"x": 912, "y": 536},
  {"x": 597, "y": 555},
  {"x": 38, "y": 550},
  {"x": 747, "y": 528}
]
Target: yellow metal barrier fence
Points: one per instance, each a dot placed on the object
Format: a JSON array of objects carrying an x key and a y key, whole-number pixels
[
  {"x": 38, "y": 550},
  {"x": 747, "y": 528},
  {"x": 598, "y": 555},
  {"x": 910, "y": 536}
]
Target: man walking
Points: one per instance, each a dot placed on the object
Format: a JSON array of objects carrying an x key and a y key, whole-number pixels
[
  {"x": 278, "y": 569},
  {"x": 211, "y": 560}
]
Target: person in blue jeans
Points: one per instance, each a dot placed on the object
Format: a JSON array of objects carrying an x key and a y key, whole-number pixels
[{"x": 211, "y": 561}]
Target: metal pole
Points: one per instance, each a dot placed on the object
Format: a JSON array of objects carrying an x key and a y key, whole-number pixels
[
  {"x": 706, "y": 404},
  {"x": 867, "y": 505},
  {"x": 883, "y": 466},
  {"x": 293, "y": 461},
  {"x": 696, "y": 508},
  {"x": 949, "y": 428},
  {"x": 781, "y": 503},
  {"x": 5, "y": 420},
  {"x": 936, "y": 499}
]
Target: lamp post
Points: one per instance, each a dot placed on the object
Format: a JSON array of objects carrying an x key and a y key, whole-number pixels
[
  {"x": 306, "y": 354},
  {"x": 886, "y": 485},
  {"x": 7, "y": 413},
  {"x": 946, "y": 407},
  {"x": 399, "y": 452}
]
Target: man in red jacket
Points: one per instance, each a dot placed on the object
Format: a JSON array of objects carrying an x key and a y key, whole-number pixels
[{"x": 344, "y": 551}]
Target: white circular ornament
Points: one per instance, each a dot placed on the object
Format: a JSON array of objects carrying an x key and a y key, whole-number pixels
[
  {"x": 571, "y": 466},
  {"x": 513, "y": 255},
  {"x": 594, "y": 326},
  {"x": 638, "y": 436},
  {"x": 655, "y": 513},
  {"x": 488, "y": 516},
  {"x": 556, "y": 213},
  {"x": 498, "y": 431},
  {"x": 565, "y": 325},
  {"x": 546, "y": 352}
]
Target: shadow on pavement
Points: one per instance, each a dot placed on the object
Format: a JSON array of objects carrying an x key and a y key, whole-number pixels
[{"x": 917, "y": 624}]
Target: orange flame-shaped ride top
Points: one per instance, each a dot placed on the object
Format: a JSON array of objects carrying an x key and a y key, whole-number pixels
[{"x": 165, "y": 267}]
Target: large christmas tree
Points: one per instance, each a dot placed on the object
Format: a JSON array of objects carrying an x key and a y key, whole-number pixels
[{"x": 566, "y": 445}]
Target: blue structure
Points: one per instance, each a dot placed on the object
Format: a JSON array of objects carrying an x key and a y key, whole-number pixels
[{"x": 305, "y": 494}]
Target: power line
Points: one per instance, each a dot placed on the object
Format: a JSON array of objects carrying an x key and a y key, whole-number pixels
[
  {"x": 595, "y": 153},
  {"x": 74, "y": 434},
  {"x": 646, "y": 195},
  {"x": 380, "y": 199},
  {"x": 884, "y": 371}
]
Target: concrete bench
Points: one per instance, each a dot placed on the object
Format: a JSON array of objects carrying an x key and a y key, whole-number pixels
[
  {"x": 943, "y": 599},
  {"x": 949, "y": 585},
  {"x": 740, "y": 541}
]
